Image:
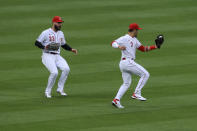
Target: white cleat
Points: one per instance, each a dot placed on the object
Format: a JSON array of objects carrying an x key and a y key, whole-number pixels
[
  {"x": 62, "y": 93},
  {"x": 139, "y": 97},
  {"x": 48, "y": 95},
  {"x": 117, "y": 104}
]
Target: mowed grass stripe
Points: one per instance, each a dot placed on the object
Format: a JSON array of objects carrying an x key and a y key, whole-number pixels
[
  {"x": 183, "y": 125},
  {"x": 150, "y": 117}
]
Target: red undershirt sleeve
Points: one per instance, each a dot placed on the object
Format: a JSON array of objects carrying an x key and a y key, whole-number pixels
[{"x": 147, "y": 48}]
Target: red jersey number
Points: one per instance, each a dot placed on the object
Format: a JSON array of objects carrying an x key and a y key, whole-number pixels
[
  {"x": 51, "y": 38},
  {"x": 131, "y": 44}
]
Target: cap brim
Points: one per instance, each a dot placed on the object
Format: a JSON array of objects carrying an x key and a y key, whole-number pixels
[
  {"x": 135, "y": 28},
  {"x": 60, "y": 21}
]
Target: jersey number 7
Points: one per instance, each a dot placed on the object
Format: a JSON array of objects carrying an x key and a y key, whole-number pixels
[{"x": 131, "y": 44}]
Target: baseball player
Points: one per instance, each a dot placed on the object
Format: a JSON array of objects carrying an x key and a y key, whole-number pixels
[
  {"x": 128, "y": 45},
  {"x": 50, "y": 41}
]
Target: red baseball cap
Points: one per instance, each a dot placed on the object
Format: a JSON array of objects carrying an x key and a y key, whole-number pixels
[
  {"x": 134, "y": 26},
  {"x": 57, "y": 19}
]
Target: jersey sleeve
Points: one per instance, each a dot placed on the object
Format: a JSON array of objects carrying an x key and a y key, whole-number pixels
[
  {"x": 42, "y": 37},
  {"x": 138, "y": 44},
  {"x": 120, "y": 40},
  {"x": 63, "y": 41},
  {"x": 114, "y": 44}
]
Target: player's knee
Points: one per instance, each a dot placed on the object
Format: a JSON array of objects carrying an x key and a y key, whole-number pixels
[
  {"x": 147, "y": 74},
  {"x": 66, "y": 69},
  {"x": 54, "y": 73},
  {"x": 127, "y": 84}
]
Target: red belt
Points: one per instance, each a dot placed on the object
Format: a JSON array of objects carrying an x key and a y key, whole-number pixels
[{"x": 125, "y": 58}]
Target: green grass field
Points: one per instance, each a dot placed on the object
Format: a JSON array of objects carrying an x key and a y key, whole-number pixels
[{"x": 90, "y": 26}]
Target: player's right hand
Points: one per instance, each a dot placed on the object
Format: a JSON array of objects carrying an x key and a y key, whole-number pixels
[
  {"x": 75, "y": 51},
  {"x": 46, "y": 47},
  {"x": 122, "y": 47}
]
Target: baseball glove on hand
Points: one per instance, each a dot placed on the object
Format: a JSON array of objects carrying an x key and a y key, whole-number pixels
[
  {"x": 53, "y": 46},
  {"x": 159, "y": 41}
]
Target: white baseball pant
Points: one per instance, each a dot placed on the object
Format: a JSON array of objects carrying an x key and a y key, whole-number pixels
[
  {"x": 52, "y": 62},
  {"x": 129, "y": 67}
]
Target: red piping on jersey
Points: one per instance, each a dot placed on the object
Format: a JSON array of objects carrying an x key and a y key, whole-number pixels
[
  {"x": 113, "y": 42},
  {"x": 147, "y": 48}
]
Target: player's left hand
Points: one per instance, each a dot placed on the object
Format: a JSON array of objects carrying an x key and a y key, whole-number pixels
[
  {"x": 159, "y": 41},
  {"x": 75, "y": 51}
]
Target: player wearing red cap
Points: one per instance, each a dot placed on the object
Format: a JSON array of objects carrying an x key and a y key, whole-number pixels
[
  {"x": 128, "y": 45},
  {"x": 50, "y": 41}
]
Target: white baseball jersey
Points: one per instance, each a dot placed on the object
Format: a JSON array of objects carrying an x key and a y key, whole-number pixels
[
  {"x": 128, "y": 66},
  {"x": 49, "y": 36},
  {"x": 131, "y": 43}
]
